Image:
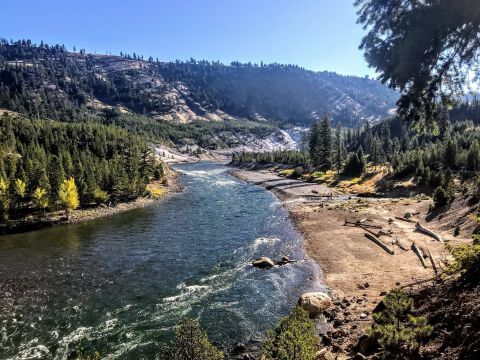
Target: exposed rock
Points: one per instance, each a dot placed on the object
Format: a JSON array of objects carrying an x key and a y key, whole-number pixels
[
  {"x": 315, "y": 303},
  {"x": 324, "y": 354},
  {"x": 263, "y": 263}
]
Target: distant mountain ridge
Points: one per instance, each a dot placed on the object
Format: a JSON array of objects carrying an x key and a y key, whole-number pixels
[{"x": 48, "y": 81}]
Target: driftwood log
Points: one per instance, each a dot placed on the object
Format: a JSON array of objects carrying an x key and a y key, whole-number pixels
[
  {"x": 384, "y": 232},
  {"x": 434, "y": 266},
  {"x": 379, "y": 243},
  {"x": 359, "y": 224},
  {"x": 418, "y": 282},
  {"x": 400, "y": 245},
  {"x": 403, "y": 219},
  {"x": 416, "y": 250},
  {"x": 428, "y": 232}
]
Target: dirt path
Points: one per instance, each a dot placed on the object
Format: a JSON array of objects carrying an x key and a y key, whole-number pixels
[{"x": 357, "y": 271}]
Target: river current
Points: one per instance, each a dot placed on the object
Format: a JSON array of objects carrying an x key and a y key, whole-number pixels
[{"x": 118, "y": 285}]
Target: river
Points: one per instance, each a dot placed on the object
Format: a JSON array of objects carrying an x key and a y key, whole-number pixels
[{"x": 118, "y": 285}]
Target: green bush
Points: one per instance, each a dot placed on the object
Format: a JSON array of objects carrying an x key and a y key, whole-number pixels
[
  {"x": 440, "y": 197},
  {"x": 395, "y": 327},
  {"x": 191, "y": 343},
  {"x": 293, "y": 338},
  {"x": 355, "y": 165},
  {"x": 466, "y": 259}
]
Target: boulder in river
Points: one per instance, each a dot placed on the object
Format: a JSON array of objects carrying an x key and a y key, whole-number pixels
[
  {"x": 315, "y": 303},
  {"x": 263, "y": 263}
]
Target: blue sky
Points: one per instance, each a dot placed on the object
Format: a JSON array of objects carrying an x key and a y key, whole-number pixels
[{"x": 316, "y": 34}]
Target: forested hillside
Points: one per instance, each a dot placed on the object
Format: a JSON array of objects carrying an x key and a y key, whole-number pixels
[
  {"x": 50, "y": 82},
  {"x": 52, "y": 165}
]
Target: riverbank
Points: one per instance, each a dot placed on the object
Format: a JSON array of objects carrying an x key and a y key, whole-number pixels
[
  {"x": 87, "y": 214},
  {"x": 357, "y": 271}
]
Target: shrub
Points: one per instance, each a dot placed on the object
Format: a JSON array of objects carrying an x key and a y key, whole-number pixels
[
  {"x": 100, "y": 196},
  {"x": 440, "y": 197},
  {"x": 191, "y": 343},
  {"x": 293, "y": 338},
  {"x": 466, "y": 259},
  {"x": 355, "y": 164},
  {"x": 396, "y": 328}
]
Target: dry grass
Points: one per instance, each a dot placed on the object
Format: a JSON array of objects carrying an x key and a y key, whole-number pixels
[{"x": 367, "y": 183}]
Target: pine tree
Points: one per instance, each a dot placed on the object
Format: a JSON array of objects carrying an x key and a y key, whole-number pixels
[
  {"x": 339, "y": 149},
  {"x": 314, "y": 144},
  {"x": 367, "y": 142},
  {"x": 473, "y": 157},
  {"x": 385, "y": 139},
  {"x": 444, "y": 122},
  {"x": 293, "y": 338},
  {"x": 451, "y": 153},
  {"x": 56, "y": 176},
  {"x": 325, "y": 146},
  {"x": 191, "y": 343}
]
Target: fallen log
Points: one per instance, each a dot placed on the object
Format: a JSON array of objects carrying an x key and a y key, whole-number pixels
[
  {"x": 379, "y": 243},
  {"x": 383, "y": 232},
  {"x": 417, "y": 251},
  {"x": 434, "y": 266},
  {"x": 418, "y": 282},
  {"x": 400, "y": 245},
  {"x": 428, "y": 232},
  {"x": 361, "y": 224},
  {"x": 403, "y": 219}
]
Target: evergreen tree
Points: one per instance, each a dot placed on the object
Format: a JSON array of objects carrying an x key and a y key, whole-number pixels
[
  {"x": 325, "y": 146},
  {"x": 444, "y": 122},
  {"x": 294, "y": 338},
  {"x": 473, "y": 156},
  {"x": 451, "y": 153},
  {"x": 385, "y": 139},
  {"x": 191, "y": 343},
  {"x": 314, "y": 144},
  {"x": 340, "y": 149},
  {"x": 367, "y": 142}
]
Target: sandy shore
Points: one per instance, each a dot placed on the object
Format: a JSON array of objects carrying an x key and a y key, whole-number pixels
[{"x": 357, "y": 271}]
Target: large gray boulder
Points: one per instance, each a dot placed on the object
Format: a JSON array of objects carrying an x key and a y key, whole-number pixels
[
  {"x": 263, "y": 263},
  {"x": 315, "y": 303}
]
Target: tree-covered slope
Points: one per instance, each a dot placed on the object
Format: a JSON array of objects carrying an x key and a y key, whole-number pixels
[{"x": 50, "y": 82}]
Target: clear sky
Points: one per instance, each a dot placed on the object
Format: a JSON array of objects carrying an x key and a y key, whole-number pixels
[{"x": 316, "y": 34}]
